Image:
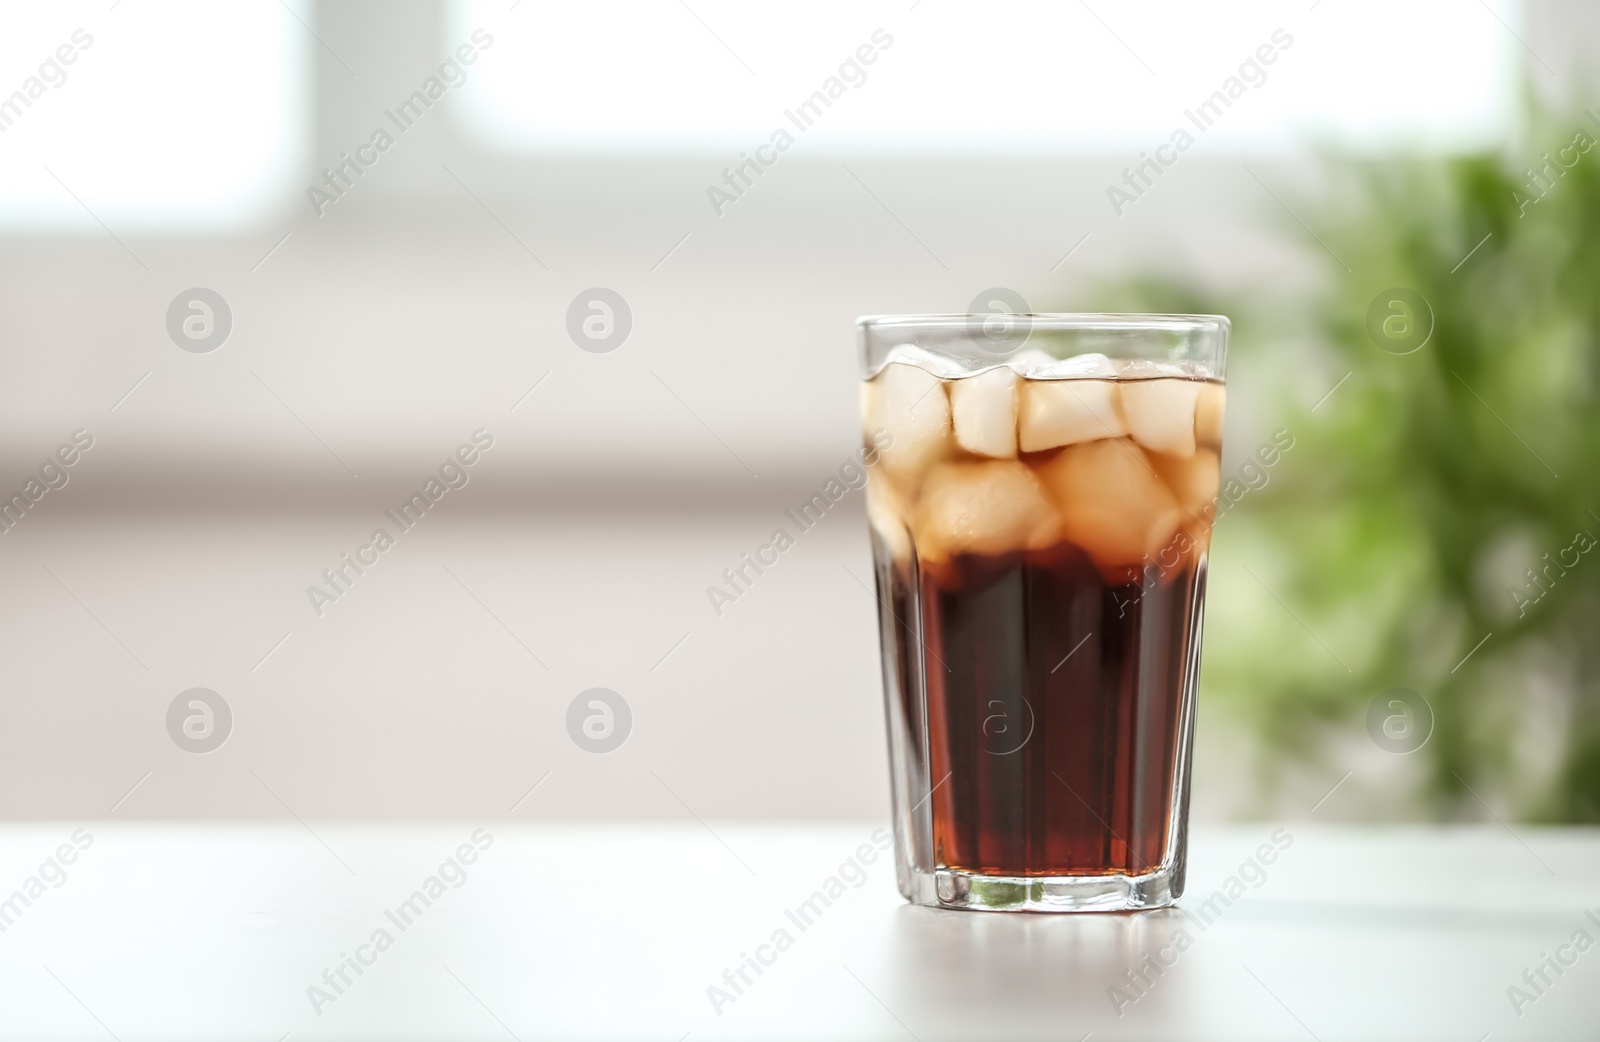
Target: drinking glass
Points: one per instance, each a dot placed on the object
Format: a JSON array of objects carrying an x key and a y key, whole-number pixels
[{"x": 1041, "y": 493}]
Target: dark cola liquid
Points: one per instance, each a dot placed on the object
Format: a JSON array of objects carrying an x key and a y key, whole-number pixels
[{"x": 1055, "y": 705}]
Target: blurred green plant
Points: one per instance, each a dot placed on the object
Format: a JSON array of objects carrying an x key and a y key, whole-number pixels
[{"x": 1437, "y": 525}]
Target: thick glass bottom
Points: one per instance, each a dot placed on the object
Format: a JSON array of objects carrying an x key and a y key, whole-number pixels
[{"x": 952, "y": 888}]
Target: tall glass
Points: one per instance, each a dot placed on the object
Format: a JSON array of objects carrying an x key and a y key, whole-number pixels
[{"x": 1041, "y": 496}]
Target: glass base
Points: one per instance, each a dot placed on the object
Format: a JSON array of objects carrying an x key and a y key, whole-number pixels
[{"x": 953, "y": 888}]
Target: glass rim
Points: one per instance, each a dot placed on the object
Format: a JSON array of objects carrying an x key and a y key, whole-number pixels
[{"x": 1054, "y": 320}]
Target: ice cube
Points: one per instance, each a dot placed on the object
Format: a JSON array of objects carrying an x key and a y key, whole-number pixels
[
  {"x": 1192, "y": 479},
  {"x": 983, "y": 508},
  {"x": 1160, "y": 413},
  {"x": 1064, "y": 412},
  {"x": 1031, "y": 361},
  {"x": 984, "y": 409},
  {"x": 1040, "y": 364},
  {"x": 886, "y": 511},
  {"x": 908, "y": 404},
  {"x": 1208, "y": 411},
  {"x": 1112, "y": 503},
  {"x": 1090, "y": 364},
  {"x": 937, "y": 364},
  {"x": 1151, "y": 369}
]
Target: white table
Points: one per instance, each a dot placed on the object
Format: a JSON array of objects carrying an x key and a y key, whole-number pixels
[{"x": 616, "y": 932}]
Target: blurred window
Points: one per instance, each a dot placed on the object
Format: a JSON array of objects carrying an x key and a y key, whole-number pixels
[
  {"x": 1004, "y": 76},
  {"x": 171, "y": 115}
]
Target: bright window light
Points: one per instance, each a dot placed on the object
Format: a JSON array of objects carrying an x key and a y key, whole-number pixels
[
  {"x": 172, "y": 116},
  {"x": 1003, "y": 76}
]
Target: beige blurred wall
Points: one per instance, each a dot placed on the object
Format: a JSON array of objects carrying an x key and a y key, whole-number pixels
[{"x": 374, "y": 340}]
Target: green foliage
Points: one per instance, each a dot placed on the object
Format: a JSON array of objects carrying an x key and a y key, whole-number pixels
[{"x": 1402, "y": 527}]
